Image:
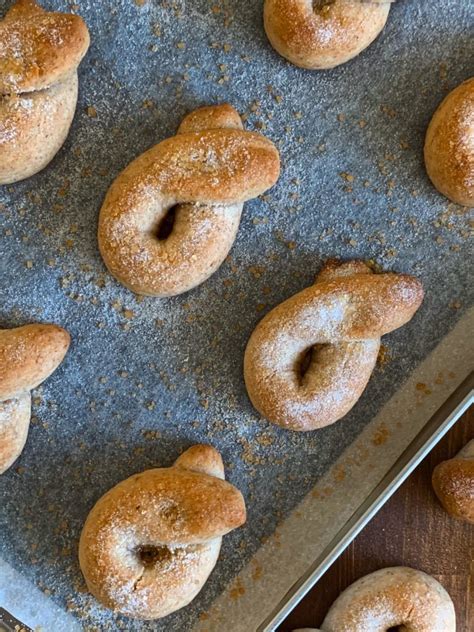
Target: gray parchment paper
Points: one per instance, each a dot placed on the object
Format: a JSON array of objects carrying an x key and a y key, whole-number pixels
[{"x": 144, "y": 379}]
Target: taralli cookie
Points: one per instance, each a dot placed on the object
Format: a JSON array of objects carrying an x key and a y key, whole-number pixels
[
  {"x": 149, "y": 545},
  {"x": 449, "y": 145},
  {"x": 392, "y": 598},
  {"x": 28, "y": 355},
  {"x": 453, "y": 482},
  {"x": 39, "y": 55},
  {"x": 170, "y": 219},
  {"x": 319, "y": 34},
  {"x": 309, "y": 360}
]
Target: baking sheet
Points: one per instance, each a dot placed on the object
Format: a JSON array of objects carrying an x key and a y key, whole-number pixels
[{"x": 144, "y": 379}]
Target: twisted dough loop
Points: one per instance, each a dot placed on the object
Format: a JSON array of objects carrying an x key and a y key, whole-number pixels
[
  {"x": 316, "y": 35},
  {"x": 205, "y": 173},
  {"x": 40, "y": 52},
  {"x": 449, "y": 145},
  {"x": 453, "y": 482},
  {"x": 397, "y": 597},
  {"x": 39, "y": 48},
  {"x": 341, "y": 318},
  {"x": 28, "y": 355},
  {"x": 177, "y": 516}
]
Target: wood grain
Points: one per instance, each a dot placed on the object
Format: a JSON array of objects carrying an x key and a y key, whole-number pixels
[{"x": 412, "y": 529}]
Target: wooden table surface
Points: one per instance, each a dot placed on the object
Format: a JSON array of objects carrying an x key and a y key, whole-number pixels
[{"x": 410, "y": 530}]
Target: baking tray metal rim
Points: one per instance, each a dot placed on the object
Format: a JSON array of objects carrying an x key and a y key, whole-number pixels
[{"x": 434, "y": 430}]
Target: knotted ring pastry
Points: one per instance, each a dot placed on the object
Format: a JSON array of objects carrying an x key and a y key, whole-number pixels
[
  {"x": 453, "y": 482},
  {"x": 39, "y": 56},
  {"x": 319, "y": 34},
  {"x": 149, "y": 545},
  {"x": 449, "y": 145},
  {"x": 397, "y": 598},
  {"x": 170, "y": 219},
  {"x": 28, "y": 355},
  {"x": 309, "y": 360}
]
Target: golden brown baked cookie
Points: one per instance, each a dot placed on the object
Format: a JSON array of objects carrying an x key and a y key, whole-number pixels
[
  {"x": 449, "y": 145},
  {"x": 170, "y": 219},
  {"x": 309, "y": 360},
  {"x": 397, "y": 598},
  {"x": 40, "y": 52},
  {"x": 319, "y": 34},
  {"x": 453, "y": 482},
  {"x": 28, "y": 355},
  {"x": 149, "y": 545}
]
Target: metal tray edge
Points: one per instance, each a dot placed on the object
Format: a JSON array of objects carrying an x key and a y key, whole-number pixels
[{"x": 433, "y": 431}]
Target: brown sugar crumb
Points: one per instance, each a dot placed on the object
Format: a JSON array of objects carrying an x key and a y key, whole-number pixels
[
  {"x": 265, "y": 440},
  {"x": 339, "y": 473},
  {"x": 384, "y": 356},
  {"x": 439, "y": 379},
  {"x": 256, "y": 271},
  {"x": 381, "y": 435},
  {"x": 151, "y": 435},
  {"x": 238, "y": 590},
  {"x": 181, "y": 45},
  {"x": 140, "y": 3},
  {"x": 390, "y": 112},
  {"x": 423, "y": 388},
  {"x": 257, "y": 571},
  {"x": 348, "y": 177},
  {"x": 248, "y": 455},
  {"x": 91, "y": 111}
]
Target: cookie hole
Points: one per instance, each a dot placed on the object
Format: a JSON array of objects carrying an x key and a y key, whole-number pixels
[
  {"x": 151, "y": 555},
  {"x": 320, "y": 5},
  {"x": 305, "y": 362},
  {"x": 308, "y": 360},
  {"x": 166, "y": 225},
  {"x": 396, "y": 628}
]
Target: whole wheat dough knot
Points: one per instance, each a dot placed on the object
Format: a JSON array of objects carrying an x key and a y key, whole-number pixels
[
  {"x": 309, "y": 360},
  {"x": 149, "y": 545},
  {"x": 449, "y": 145},
  {"x": 453, "y": 482},
  {"x": 40, "y": 52},
  {"x": 170, "y": 219},
  {"x": 396, "y": 598},
  {"x": 28, "y": 355},
  {"x": 319, "y": 34}
]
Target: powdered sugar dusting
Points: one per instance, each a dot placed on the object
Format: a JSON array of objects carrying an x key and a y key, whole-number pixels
[
  {"x": 213, "y": 171},
  {"x": 390, "y": 598},
  {"x": 341, "y": 318}
]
